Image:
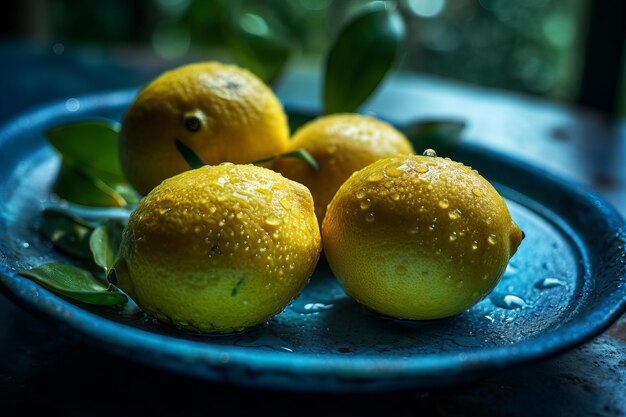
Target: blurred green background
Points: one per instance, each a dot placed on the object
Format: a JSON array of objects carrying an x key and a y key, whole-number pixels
[{"x": 532, "y": 46}]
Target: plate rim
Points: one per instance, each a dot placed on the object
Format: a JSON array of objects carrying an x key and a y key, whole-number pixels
[{"x": 131, "y": 341}]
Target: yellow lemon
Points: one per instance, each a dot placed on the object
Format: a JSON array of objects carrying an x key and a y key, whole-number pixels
[
  {"x": 341, "y": 144},
  {"x": 219, "y": 248},
  {"x": 223, "y": 112},
  {"x": 418, "y": 237}
]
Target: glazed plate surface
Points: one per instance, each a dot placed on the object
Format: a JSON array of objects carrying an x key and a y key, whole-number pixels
[{"x": 565, "y": 285}]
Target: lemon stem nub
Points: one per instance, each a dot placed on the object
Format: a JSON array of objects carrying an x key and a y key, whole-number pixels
[{"x": 430, "y": 153}]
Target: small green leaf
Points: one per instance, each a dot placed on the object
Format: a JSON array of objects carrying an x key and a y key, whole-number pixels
[
  {"x": 192, "y": 158},
  {"x": 440, "y": 135},
  {"x": 66, "y": 232},
  {"x": 92, "y": 144},
  {"x": 360, "y": 57},
  {"x": 74, "y": 283},
  {"x": 105, "y": 244},
  {"x": 72, "y": 184},
  {"x": 298, "y": 153}
]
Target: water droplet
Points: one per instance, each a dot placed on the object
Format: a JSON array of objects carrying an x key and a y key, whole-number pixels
[
  {"x": 491, "y": 319},
  {"x": 272, "y": 220},
  {"x": 165, "y": 210},
  {"x": 429, "y": 187},
  {"x": 422, "y": 169},
  {"x": 392, "y": 171},
  {"x": 477, "y": 192},
  {"x": 549, "y": 283},
  {"x": 375, "y": 177},
  {"x": 285, "y": 203},
  {"x": 401, "y": 270},
  {"x": 222, "y": 222},
  {"x": 507, "y": 301},
  {"x": 454, "y": 214},
  {"x": 212, "y": 210},
  {"x": 453, "y": 236},
  {"x": 25, "y": 245},
  {"x": 369, "y": 218},
  {"x": 474, "y": 245},
  {"x": 365, "y": 204},
  {"x": 311, "y": 308},
  {"x": 444, "y": 204},
  {"x": 360, "y": 194},
  {"x": 492, "y": 239},
  {"x": 510, "y": 270},
  {"x": 395, "y": 196},
  {"x": 72, "y": 105},
  {"x": 430, "y": 153}
]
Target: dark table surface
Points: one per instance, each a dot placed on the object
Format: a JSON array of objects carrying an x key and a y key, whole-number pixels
[{"x": 44, "y": 369}]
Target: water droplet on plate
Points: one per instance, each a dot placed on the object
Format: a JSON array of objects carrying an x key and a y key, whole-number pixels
[
  {"x": 454, "y": 214},
  {"x": 365, "y": 204},
  {"x": 360, "y": 194},
  {"x": 492, "y": 239},
  {"x": 369, "y": 218},
  {"x": 507, "y": 301},
  {"x": 549, "y": 283},
  {"x": 311, "y": 308}
]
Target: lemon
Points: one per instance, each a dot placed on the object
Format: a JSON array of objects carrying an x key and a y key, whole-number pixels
[
  {"x": 220, "y": 248},
  {"x": 223, "y": 112},
  {"x": 418, "y": 237},
  {"x": 341, "y": 144}
]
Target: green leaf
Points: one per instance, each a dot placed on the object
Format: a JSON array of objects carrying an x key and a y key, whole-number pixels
[
  {"x": 68, "y": 233},
  {"x": 105, "y": 244},
  {"x": 360, "y": 57},
  {"x": 74, "y": 283},
  {"x": 440, "y": 135},
  {"x": 192, "y": 158},
  {"x": 91, "y": 173},
  {"x": 298, "y": 153},
  {"x": 93, "y": 145},
  {"x": 72, "y": 184},
  {"x": 256, "y": 46}
]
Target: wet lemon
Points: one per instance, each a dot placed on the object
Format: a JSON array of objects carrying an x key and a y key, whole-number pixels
[
  {"x": 220, "y": 248},
  {"x": 341, "y": 144},
  {"x": 418, "y": 237},
  {"x": 223, "y": 112}
]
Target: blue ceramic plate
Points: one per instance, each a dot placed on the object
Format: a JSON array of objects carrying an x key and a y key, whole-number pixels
[{"x": 563, "y": 287}]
